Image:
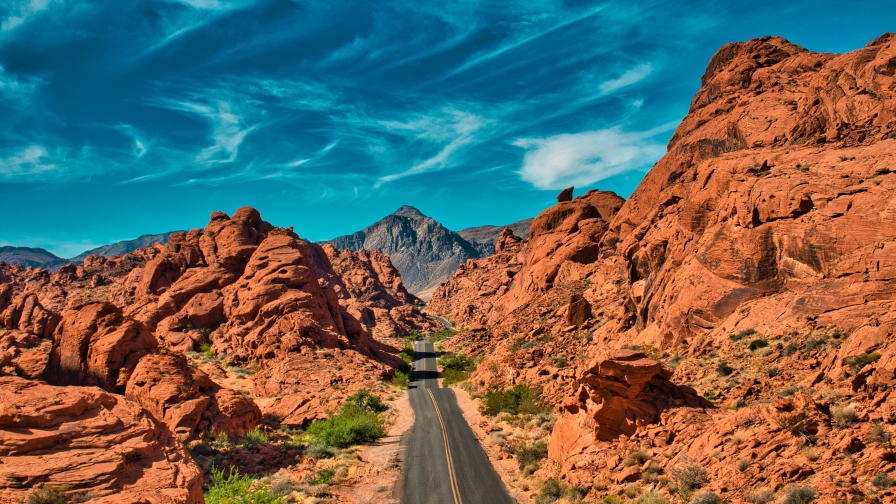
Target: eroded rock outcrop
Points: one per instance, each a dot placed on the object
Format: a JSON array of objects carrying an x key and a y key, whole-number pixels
[{"x": 94, "y": 442}]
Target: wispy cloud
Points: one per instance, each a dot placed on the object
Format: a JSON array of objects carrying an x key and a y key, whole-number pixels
[
  {"x": 31, "y": 160},
  {"x": 632, "y": 76},
  {"x": 18, "y": 11},
  {"x": 582, "y": 159},
  {"x": 456, "y": 127},
  {"x": 141, "y": 145},
  {"x": 228, "y": 128},
  {"x": 18, "y": 91}
]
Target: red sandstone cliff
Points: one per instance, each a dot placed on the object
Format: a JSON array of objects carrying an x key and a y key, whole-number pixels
[{"x": 772, "y": 217}]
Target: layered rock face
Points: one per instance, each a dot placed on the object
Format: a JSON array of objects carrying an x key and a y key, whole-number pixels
[
  {"x": 262, "y": 299},
  {"x": 372, "y": 291},
  {"x": 94, "y": 442},
  {"x": 758, "y": 254}
]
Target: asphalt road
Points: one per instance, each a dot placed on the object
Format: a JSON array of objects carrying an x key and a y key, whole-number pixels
[
  {"x": 444, "y": 322},
  {"x": 444, "y": 462}
]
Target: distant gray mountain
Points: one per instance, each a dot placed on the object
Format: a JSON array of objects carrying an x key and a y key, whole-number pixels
[
  {"x": 41, "y": 258},
  {"x": 123, "y": 247},
  {"x": 485, "y": 237},
  {"x": 424, "y": 251},
  {"x": 34, "y": 257}
]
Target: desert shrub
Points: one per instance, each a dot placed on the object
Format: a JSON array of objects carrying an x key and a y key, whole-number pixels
[
  {"x": 519, "y": 399},
  {"x": 794, "y": 422},
  {"x": 743, "y": 463},
  {"x": 206, "y": 350},
  {"x": 632, "y": 490},
  {"x": 756, "y": 344},
  {"x": 746, "y": 333},
  {"x": 401, "y": 379},
  {"x": 49, "y": 494},
  {"x": 550, "y": 492},
  {"x": 651, "y": 498},
  {"x": 813, "y": 344},
  {"x": 724, "y": 369},
  {"x": 689, "y": 476},
  {"x": 442, "y": 335},
  {"x": 359, "y": 422},
  {"x": 857, "y": 362},
  {"x": 528, "y": 456},
  {"x": 707, "y": 498},
  {"x": 407, "y": 354},
  {"x": 790, "y": 349},
  {"x": 322, "y": 477},
  {"x": 883, "y": 481},
  {"x": 772, "y": 371},
  {"x": 612, "y": 499},
  {"x": 459, "y": 362},
  {"x": 799, "y": 495},
  {"x": 318, "y": 450},
  {"x": 762, "y": 495},
  {"x": 811, "y": 453},
  {"x": 366, "y": 401},
  {"x": 636, "y": 456},
  {"x": 576, "y": 494},
  {"x": 843, "y": 415},
  {"x": 236, "y": 489},
  {"x": 788, "y": 391},
  {"x": 878, "y": 434},
  {"x": 675, "y": 361},
  {"x": 255, "y": 437},
  {"x": 452, "y": 376}
]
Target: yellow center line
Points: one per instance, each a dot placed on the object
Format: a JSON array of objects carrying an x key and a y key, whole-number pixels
[{"x": 455, "y": 491}]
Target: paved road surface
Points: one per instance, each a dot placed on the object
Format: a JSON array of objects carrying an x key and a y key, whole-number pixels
[
  {"x": 444, "y": 462},
  {"x": 444, "y": 322}
]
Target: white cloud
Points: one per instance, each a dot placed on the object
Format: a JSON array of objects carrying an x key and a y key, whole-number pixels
[
  {"x": 28, "y": 161},
  {"x": 17, "y": 92},
  {"x": 228, "y": 129},
  {"x": 453, "y": 126},
  {"x": 630, "y": 77},
  {"x": 17, "y": 12},
  {"x": 581, "y": 159}
]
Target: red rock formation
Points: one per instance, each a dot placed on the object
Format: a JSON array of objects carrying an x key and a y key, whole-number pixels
[
  {"x": 92, "y": 441},
  {"x": 95, "y": 345},
  {"x": 771, "y": 220},
  {"x": 370, "y": 289},
  {"x": 187, "y": 400}
]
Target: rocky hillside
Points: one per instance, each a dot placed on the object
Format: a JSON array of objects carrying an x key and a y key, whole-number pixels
[
  {"x": 731, "y": 327},
  {"x": 102, "y": 359},
  {"x": 423, "y": 250},
  {"x": 42, "y": 258},
  {"x": 484, "y": 238}
]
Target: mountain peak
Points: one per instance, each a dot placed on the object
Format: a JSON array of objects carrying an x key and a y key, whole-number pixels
[{"x": 408, "y": 211}]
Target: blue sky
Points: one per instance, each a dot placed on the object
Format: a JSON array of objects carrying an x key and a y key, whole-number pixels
[{"x": 124, "y": 118}]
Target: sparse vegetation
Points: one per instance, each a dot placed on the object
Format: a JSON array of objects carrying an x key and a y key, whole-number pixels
[
  {"x": 724, "y": 369},
  {"x": 255, "y": 437},
  {"x": 756, "y": 344},
  {"x": 359, "y": 422},
  {"x": 857, "y": 362},
  {"x": 746, "y": 333},
  {"x": 878, "y": 434},
  {"x": 318, "y": 450},
  {"x": 689, "y": 476},
  {"x": 843, "y": 415},
  {"x": 49, "y": 494},
  {"x": 636, "y": 456},
  {"x": 790, "y": 349},
  {"x": 651, "y": 498},
  {"x": 322, "y": 477},
  {"x": 238, "y": 489},
  {"x": 799, "y": 495},
  {"x": 456, "y": 368},
  {"x": 883, "y": 481},
  {"x": 707, "y": 498},
  {"x": 401, "y": 379},
  {"x": 519, "y": 399},
  {"x": 794, "y": 422},
  {"x": 760, "y": 496},
  {"x": 528, "y": 456},
  {"x": 550, "y": 492}
]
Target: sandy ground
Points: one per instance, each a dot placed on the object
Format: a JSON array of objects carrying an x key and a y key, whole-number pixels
[
  {"x": 505, "y": 467},
  {"x": 373, "y": 481}
]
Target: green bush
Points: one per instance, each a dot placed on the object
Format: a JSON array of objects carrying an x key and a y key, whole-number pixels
[
  {"x": 318, "y": 450},
  {"x": 401, "y": 380},
  {"x": 458, "y": 362},
  {"x": 440, "y": 335},
  {"x": 651, "y": 498},
  {"x": 359, "y": 422},
  {"x": 746, "y": 333},
  {"x": 857, "y": 362},
  {"x": 255, "y": 437},
  {"x": 236, "y": 489},
  {"x": 550, "y": 492},
  {"x": 322, "y": 477},
  {"x": 756, "y": 344},
  {"x": 519, "y": 399},
  {"x": 724, "y": 369},
  {"x": 452, "y": 376},
  {"x": 407, "y": 354},
  {"x": 206, "y": 349},
  {"x": 528, "y": 456}
]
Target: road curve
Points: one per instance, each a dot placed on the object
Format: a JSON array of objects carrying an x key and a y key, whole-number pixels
[{"x": 444, "y": 462}]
